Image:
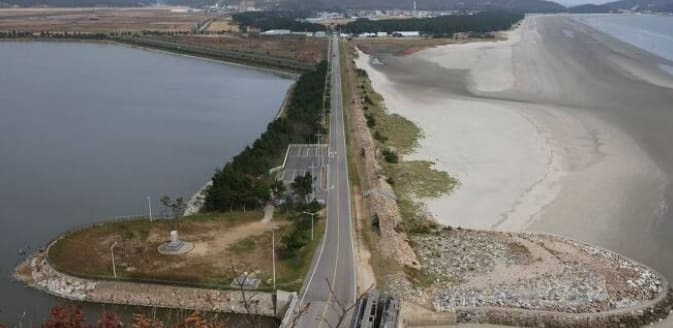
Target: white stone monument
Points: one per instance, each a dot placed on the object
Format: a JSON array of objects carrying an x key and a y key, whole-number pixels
[{"x": 175, "y": 246}]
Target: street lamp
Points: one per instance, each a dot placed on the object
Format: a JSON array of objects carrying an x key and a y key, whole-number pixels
[
  {"x": 112, "y": 253},
  {"x": 312, "y": 215},
  {"x": 274, "y": 227},
  {"x": 149, "y": 205}
]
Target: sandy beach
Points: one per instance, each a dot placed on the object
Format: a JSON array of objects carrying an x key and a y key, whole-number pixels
[{"x": 559, "y": 129}]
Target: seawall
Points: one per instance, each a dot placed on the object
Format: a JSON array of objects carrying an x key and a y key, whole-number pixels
[{"x": 36, "y": 272}]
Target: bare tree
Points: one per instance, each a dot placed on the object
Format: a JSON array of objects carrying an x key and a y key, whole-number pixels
[
  {"x": 175, "y": 208},
  {"x": 249, "y": 299},
  {"x": 342, "y": 308},
  {"x": 339, "y": 307}
]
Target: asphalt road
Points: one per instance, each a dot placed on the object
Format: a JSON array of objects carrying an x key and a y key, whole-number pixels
[{"x": 335, "y": 261}]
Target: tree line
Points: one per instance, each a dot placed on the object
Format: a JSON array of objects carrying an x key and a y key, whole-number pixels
[
  {"x": 245, "y": 182},
  {"x": 17, "y": 34},
  {"x": 272, "y": 20},
  {"x": 438, "y": 26}
]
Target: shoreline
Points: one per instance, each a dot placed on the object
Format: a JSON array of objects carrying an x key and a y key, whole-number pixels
[
  {"x": 574, "y": 120},
  {"x": 44, "y": 278},
  {"x": 288, "y": 74},
  {"x": 512, "y": 151}
]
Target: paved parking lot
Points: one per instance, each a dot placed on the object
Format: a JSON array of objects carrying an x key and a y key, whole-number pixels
[{"x": 312, "y": 158}]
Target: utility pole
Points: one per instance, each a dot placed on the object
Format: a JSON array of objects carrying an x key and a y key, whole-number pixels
[
  {"x": 312, "y": 215},
  {"x": 112, "y": 253},
  {"x": 149, "y": 205}
]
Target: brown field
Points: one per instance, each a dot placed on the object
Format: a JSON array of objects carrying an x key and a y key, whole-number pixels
[
  {"x": 221, "y": 241},
  {"x": 222, "y": 25},
  {"x": 298, "y": 47},
  {"x": 98, "y": 19}
]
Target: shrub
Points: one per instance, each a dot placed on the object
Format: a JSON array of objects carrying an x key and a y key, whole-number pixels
[
  {"x": 371, "y": 121},
  {"x": 390, "y": 156}
]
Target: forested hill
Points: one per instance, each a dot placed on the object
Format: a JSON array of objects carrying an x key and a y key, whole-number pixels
[
  {"x": 528, "y": 6},
  {"x": 111, "y": 3},
  {"x": 626, "y": 5},
  {"x": 438, "y": 26},
  {"x": 467, "y": 5},
  {"x": 268, "y": 20}
]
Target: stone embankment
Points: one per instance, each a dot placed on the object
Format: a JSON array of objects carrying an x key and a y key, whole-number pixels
[
  {"x": 198, "y": 200},
  {"x": 535, "y": 279},
  {"x": 37, "y": 273},
  {"x": 378, "y": 192}
]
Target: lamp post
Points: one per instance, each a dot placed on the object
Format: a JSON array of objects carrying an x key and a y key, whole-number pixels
[
  {"x": 273, "y": 253},
  {"x": 112, "y": 253},
  {"x": 312, "y": 215},
  {"x": 149, "y": 205}
]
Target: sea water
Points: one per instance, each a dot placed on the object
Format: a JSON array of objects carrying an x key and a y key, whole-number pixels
[{"x": 653, "y": 33}]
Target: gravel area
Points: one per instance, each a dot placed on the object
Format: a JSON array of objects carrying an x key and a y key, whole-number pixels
[{"x": 530, "y": 271}]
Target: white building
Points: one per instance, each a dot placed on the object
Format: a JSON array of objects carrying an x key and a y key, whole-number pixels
[
  {"x": 407, "y": 34},
  {"x": 381, "y": 34},
  {"x": 276, "y": 32},
  {"x": 366, "y": 35}
]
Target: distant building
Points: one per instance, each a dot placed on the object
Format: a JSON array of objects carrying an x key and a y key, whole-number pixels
[
  {"x": 366, "y": 35},
  {"x": 276, "y": 32},
  {"x": 381, "y": 34},
  {"x": 320, "y": 34},
  {"x": 406, "y": 34},
  {"x": 309, "y": 34}
]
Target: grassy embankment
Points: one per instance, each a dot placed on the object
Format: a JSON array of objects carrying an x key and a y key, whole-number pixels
[
  {"x": 411, "y": 180},
  {"x": 222, "y": 241},
  {"x": 396, "y": 137}
]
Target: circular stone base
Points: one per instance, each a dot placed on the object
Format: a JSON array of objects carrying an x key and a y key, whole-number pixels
[{"x": 172, "y": 248}]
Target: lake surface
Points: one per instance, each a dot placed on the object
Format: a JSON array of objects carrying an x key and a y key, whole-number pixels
[{"x": 88, "y": 131}]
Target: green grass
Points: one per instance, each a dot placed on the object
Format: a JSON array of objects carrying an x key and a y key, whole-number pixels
[
  {"x": 400, "y": 133},
  {"x": 419, "y": 179},
  {"x": 297, "y": 266}
]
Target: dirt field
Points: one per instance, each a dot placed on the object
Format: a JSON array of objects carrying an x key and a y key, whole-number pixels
[
  {"x": 222, "y": 25},
  {"x": 302, "y": 48},
  {"x": 220, "y": 242},
  {"x": 98, "y": 19}
]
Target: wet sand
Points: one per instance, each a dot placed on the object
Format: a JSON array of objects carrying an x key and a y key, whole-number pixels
[{"x": 560, "y": 129}]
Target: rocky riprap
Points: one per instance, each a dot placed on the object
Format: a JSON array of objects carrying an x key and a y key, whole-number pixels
[{"x": 530, "y": 271}]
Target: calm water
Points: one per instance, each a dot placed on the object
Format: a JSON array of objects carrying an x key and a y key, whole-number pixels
[
  {"x": 653, "y": 33},
  {"x": 88, "y": 131}
]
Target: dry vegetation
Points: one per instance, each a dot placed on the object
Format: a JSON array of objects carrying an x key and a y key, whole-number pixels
[
  {"x": 298, "y": 47},
  {"x": 396, "y": 136},
  {"x": 220, "y": 241},
  {"x": 98, "y": 19},
  {"x": 222, "y": 25}
]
